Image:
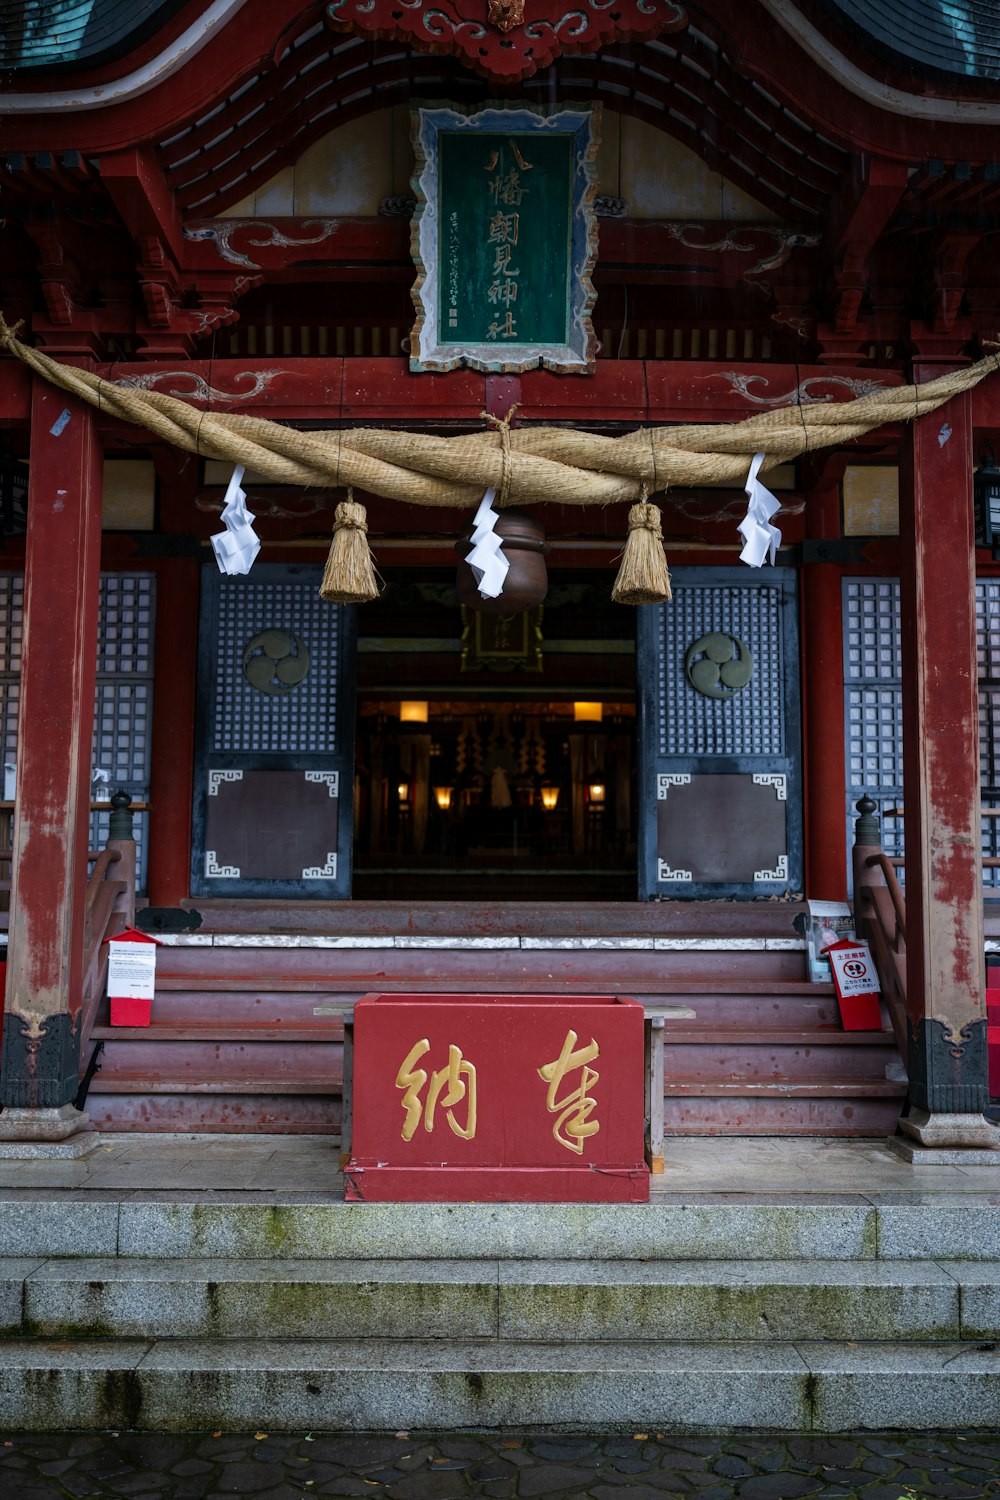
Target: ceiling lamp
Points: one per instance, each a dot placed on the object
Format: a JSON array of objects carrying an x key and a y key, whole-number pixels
[{"x": 413, "y": 712}]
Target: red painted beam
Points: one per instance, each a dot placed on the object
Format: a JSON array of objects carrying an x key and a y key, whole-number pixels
[
  {"x": 45, "y": 956},
  {"x": 872, "y": 196},
  {"x": 140, "y": 193},
  {"x": 823, "y": 694},
  {"x": 359, "y": 391},
  {"x": 172, "y": 771}
]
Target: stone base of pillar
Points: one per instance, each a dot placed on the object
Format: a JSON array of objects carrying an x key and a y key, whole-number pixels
[
  {"x": 37, "y": 1132},
  {"x": 941, "y": 1139}
]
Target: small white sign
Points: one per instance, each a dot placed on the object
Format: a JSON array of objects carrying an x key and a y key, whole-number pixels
[
  {"x": 854, "y": 970},
  {"x": 131, "y": 970}
]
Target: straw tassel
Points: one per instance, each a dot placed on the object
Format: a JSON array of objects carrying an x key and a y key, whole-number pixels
[
  {"x": 349, "y": 576},
  {"x": 643, "y": 577}
]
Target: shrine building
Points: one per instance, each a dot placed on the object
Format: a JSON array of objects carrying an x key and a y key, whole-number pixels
[{"x": 535, "y": 285}]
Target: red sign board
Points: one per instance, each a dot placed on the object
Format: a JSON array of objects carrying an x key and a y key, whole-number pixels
[
  {"x": 993, "y": 1041},
  {"x": 499, "y": 1098},
  {"x": 856, "y": 982}
]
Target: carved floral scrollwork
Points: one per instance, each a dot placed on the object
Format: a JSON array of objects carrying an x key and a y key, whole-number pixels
[{"x": 501, "y": 38}]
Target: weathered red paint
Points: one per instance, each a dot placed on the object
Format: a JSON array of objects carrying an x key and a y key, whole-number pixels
[
  {"x": 824, "y": 775},
  {"x": 526, "y": 1098},
  {"x": 57, "y": 710},
  {"x": 941, "y": 719},
  {"x": 367, "y": 390}
]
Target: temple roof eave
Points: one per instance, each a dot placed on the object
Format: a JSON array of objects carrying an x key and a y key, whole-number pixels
[{"x": 232, "y": 41}]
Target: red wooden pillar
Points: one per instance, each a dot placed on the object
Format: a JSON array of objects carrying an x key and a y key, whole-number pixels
[
  {"x": 40, "y": 1057},
  {"x": 169, "y": 867},
  {"x": 946, "y": 1022},
  {"x": 823, "y": 692}
]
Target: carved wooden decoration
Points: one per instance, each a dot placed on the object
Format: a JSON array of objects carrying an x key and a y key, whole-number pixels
[
  {"x": 497, "y": 37},
  {"x": 506, "y": 14}
]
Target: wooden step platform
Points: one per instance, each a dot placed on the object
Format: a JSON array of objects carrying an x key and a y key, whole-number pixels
[{"x": 247, "y": 1029}]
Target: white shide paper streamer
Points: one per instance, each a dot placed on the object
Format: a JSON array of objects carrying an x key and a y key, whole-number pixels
[
  {"x": 486, "y": 558},
  {"x": 236, "y": 547},
  {"x": 759, "y": 536}
]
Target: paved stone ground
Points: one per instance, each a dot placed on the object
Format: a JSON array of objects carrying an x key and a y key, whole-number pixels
[{"x": 415, "y": 1466}]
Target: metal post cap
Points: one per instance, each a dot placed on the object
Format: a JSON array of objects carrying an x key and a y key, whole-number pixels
[
  {"x": 120, "y": 821},
  {"x": 866, "y": 827}
]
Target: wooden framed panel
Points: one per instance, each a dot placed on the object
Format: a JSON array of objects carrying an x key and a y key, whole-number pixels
[
  {"x": 720, "y": 737},
  {"x": 275, "y": 737}
]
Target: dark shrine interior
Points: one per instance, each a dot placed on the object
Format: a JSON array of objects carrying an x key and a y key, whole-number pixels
[{"x": 495, "y": 754}]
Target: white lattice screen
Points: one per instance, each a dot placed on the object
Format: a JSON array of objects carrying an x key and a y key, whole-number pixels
[
  {"x": 122, "y": 741},
  {"x": 753, "y": 721},
  {"x": 873, "y": 706}
]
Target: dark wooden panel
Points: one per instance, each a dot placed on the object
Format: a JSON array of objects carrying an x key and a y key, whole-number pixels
[
  {"x": 475, "y": 919},
  {"x": 272, "y": 825},
  {"x": 721, "y": 828}
]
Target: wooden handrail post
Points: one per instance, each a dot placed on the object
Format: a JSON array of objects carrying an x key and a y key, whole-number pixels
[
  {"x": 867, "y": 842},
  {"x": 878, "y": 919},
  {"x": 121, "y": 839}
]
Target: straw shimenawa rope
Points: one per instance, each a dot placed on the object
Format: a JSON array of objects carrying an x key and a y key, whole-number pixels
[
  {"x": 546, "y": 464},
  {"x": 528, "y": 466}
]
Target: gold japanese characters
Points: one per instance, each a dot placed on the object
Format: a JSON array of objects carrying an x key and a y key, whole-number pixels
[{"x": 455, "y": 1087}]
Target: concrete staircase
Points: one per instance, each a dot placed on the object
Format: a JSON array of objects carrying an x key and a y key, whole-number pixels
[
  {"x": 247, "y": 1031},
  {"x": 703, "y": 1316}
]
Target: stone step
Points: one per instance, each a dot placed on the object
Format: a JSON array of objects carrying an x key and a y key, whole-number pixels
[
  {"x": 516, "y": 1301},
  {"x": 727, "y": 1227},
  {"x": 250, "y": 1230},
  {"x": 384, "y": 1385}
]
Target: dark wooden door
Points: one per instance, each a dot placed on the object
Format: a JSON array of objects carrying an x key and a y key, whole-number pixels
[
  {"x": 275, "y": 737},
  {"x": 720, "y": 756}
]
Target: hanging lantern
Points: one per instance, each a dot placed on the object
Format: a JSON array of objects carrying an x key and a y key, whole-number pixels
[{"x": 526, "y": 584}]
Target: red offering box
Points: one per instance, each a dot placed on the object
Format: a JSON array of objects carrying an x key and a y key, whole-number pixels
[
  {"x": 498, "y": 1098},
  {"x": 130, "y": 1012},
  {"x": 993, "y": 1041},
  {"x": 860, "y": 1012}
]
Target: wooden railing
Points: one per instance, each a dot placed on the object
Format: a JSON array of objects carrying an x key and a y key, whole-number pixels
[
  {"x": 880, "y": 915},
  {"x": 110, "y": 907}
]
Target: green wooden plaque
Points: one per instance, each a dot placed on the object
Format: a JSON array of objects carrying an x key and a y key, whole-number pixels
[{"x": 504, "y": 239}]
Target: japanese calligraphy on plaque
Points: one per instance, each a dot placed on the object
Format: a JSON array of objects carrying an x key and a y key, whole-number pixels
[
  {"x": 569, "y": 1076},
  {"x": 504, "y": 239}
]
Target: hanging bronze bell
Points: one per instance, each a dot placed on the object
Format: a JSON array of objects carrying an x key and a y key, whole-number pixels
[{"x": 527, "y": 580}]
